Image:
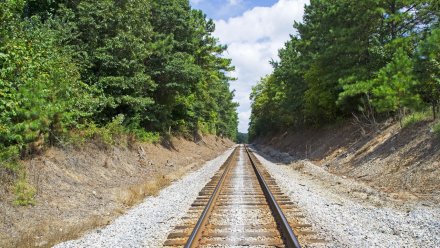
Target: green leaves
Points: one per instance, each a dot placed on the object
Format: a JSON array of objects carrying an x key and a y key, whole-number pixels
[
  {"x": 64, "y": 64},
  {"x": 394, "y": 85},
  {"x": 349, "y": 57}
]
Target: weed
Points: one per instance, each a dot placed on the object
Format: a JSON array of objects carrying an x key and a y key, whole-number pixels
[
  {"x": 136, "y": 193},
  {"x": 415, "y": 118},
  {"x": 144, "y": 136},
  {"x": 436, "y": 128},
  {"x": 24, "y": 192},
  {"x": 10, "y": 170}
]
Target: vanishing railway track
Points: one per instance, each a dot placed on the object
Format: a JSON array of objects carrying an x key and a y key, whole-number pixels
[{"x": 242, "y": 206}]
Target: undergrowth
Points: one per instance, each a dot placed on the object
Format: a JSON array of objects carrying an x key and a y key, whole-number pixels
[
  {"x": 415, "y": 118},
  {"x": 436, "y": 128},
  {"x": 113, "y": 133},
  {"x": 24, "y": 192},
  {"x": 13, "y": 175}
]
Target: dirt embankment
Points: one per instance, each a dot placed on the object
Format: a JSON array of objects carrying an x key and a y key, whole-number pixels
[
  {"x": 403, "y": 162},
  {"x": 83, "y": 188}
]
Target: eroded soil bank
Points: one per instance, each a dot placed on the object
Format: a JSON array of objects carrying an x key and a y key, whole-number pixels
[
  {"x": 82, "y": 188},
  {"x": 402, "y": 163}
]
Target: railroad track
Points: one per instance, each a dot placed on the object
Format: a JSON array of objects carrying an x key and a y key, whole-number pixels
[{"x": 242, "y": 206}]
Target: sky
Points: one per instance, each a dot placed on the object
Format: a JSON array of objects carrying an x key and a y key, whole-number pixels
[{"x": 254, "y": 31}]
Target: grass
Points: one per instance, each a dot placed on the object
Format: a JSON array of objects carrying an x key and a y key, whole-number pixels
[
  {"x": 436, "y": 128},
  {"x": 24, "y": 192},
  {"x": 55, "y": 232},
  {"x": 415, "y": 118},
  {"x": 13, "y": 175},
  {"x": 137, "y": 193}
]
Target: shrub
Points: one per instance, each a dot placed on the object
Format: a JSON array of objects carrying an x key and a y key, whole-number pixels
[
  {"x": 109, "y": 134},
  {"x": 144, "y": 136}
]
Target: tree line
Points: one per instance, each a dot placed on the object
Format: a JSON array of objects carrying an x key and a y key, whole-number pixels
[
  {"x": 149, "y": 65},
  {"x": 370, "y": 59}
]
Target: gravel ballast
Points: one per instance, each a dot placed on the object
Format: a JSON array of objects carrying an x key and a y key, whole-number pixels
[
  {"x": 148, "y": 224},
  {"x": 348, "y": 221}
]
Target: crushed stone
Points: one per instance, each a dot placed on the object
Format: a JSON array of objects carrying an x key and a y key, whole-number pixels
[
  {"x": 360, "y": 217},
  {"x": 148, "y": 224}
]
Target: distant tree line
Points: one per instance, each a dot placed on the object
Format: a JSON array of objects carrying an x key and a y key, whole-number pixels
[
  {"x": 151, "y": 64},
  {"x": 370, "y": 59},
  {"x": 242, "y": 138}
]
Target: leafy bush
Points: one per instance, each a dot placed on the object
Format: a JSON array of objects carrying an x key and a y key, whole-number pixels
[
  {"x": 109, "y": 134},
  {"x": 144, "y": 136}
]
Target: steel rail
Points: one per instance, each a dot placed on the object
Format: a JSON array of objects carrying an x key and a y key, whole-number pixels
[
  {"x": 290, "y": 239},
  {"x": 195, "y": 236}
]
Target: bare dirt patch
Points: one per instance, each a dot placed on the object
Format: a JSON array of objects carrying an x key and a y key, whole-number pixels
[{"x": 80, "y": 189}]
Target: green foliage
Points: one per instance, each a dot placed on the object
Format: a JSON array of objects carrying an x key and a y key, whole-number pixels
[
  {"x": 415, "y": 118},
  {"x": 436, "y": 128},
  {"x": 242, "y": 138},
  {"x": 65, "y": 64},
  {"x": 72, "y": 71},
  {"x": 427, "y": 69},
  {"x": 369, "y": 58},
  {"x": 144, "y": 136},
  {"x": 24, "y": 192},
  {"x": 394, "y": 84},
  {"x": 109, "y": 134},
  {"x": 39, "y": 83}
]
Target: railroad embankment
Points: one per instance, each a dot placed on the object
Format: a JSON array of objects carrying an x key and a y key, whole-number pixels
[
  {"x": 78, "y": 189},
  {"x": 401, "y": 162}
]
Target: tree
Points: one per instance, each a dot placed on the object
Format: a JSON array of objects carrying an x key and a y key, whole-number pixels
[
  {"x": 428, "y": 70},
  {"x": 393, "y": 87},
  {"x": 40, "y": 87},
  {"x": 374, "y": 58}
]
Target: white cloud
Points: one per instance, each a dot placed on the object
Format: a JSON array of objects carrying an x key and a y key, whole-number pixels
[
  {"x": 253, "y": 39},
  {"x": 234, "y": 2}
]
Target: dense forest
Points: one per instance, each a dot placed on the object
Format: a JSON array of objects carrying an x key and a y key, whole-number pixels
[
  {"x": 369, "y": 60},
  {"x": 78, "y": 68}
]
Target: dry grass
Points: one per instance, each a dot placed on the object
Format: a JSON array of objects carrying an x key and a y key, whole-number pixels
[
  {"x": 82, "y": 169},
  {"x": 59, "y": 232},
  {"x": 299, "y": 166},
  {"x": 136, "y": 193}
]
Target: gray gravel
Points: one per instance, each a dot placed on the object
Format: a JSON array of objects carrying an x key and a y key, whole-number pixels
[
  {"x": 349, "y": 221},
  {"x": 148, "y": 224}
]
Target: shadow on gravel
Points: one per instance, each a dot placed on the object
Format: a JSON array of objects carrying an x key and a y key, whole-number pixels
[{"x": 273, "y": 155}]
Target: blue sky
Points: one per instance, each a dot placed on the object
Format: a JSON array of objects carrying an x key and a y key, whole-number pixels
[
  {"x": 224, "y": 9},
  {"x": 254, "y": 31}
]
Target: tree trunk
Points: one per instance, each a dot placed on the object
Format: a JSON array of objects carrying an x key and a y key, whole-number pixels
[{"x": 401, "y": 114}]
